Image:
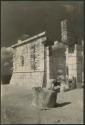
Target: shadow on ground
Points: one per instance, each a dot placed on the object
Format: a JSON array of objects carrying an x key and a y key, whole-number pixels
[
  {"x": 62, "y": 104},
  {"x": 57, "y": 105}
]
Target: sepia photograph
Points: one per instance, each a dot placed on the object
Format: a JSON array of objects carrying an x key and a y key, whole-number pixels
[{"x": 42, "y": 62}]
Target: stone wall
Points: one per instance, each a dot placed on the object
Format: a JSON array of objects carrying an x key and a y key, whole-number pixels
[
  {"x": 74, "y": 63},
  {"x": 30, "y": 70},
  {"x": 57, "y": 61},
  {"x": 32, "y": 79},
  {"x": 79, "y": 65}
]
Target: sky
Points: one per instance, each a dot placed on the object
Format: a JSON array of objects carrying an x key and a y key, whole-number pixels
[{"x": 33, "y": 17}]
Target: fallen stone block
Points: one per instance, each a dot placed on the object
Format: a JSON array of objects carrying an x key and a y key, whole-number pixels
[{"x": 43, "y": 97}]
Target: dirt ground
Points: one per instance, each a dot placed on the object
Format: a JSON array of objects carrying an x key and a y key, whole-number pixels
[{"x": 16, "y": 107}]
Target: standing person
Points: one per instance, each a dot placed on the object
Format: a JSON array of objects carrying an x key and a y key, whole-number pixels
[{"x": 56, "y": 85}]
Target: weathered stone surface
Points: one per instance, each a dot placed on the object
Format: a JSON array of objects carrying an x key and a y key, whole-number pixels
[
  {"x": 74, "y": 62},
  {"x": 28, "y": 62},
  {"x": 43, "y": 97}
]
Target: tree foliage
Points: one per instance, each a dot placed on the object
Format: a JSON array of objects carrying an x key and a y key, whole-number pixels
[{"x": 6, "y": 62}]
